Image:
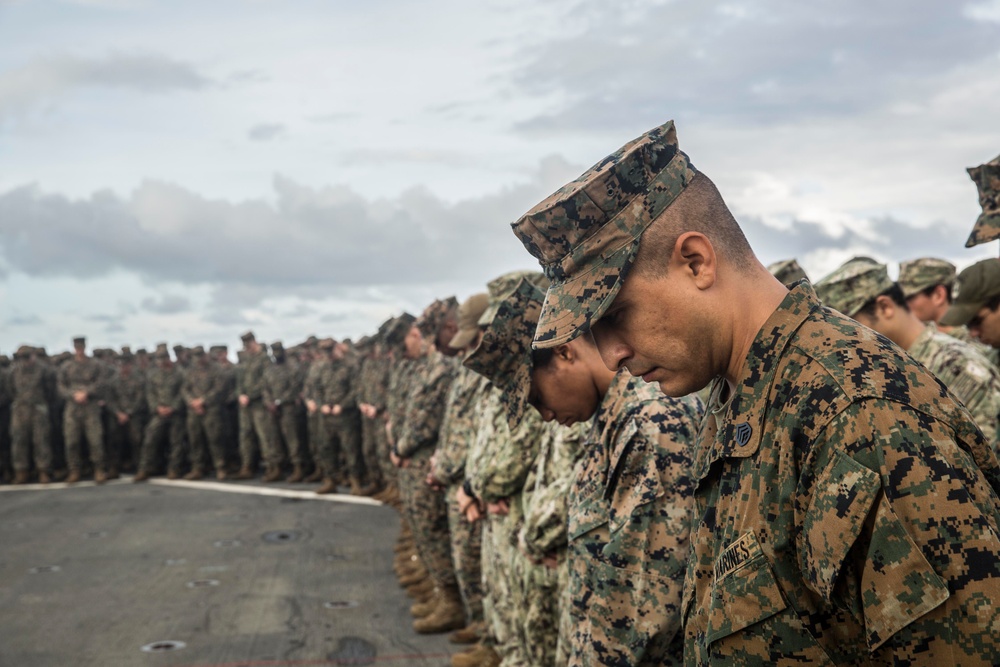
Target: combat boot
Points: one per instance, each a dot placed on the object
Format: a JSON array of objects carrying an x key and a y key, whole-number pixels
[
  {"x": 424, "y": 608},
  {"x": 298, "y": 474},
  {"x": 315, "y": 476},
  {"x": 100, "y": 477},
  {"x": 479, "y": 656},
  {"x": 140, "y": 476},
  {"x": 173, "y": 474},
  {"x": 245, "y": 473},
  {"x": 328, "y": 487},
  {"x": 448, "y": 615},
  {"x": 195, "y": 474},
  {"x": 44, "y": 477},
  {"x": 470, "y": 634},
  {"x": 414, "y": 576},
  {"x": 21, "y": 477},
  {"x": 73, "y": 477},
  {"x": 113, "y": 473},
  {"x": 421, "y": 589},
  {"x": 273, "y": 474},
  {"x": 220, "y": 474}
]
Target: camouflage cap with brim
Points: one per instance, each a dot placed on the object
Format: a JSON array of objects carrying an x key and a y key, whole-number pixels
[
  {"x": 468, "y": 320},
  {"x": 974, "y": 287},
  {"x": 853, "y": 285},
  {"x": 504, "y": 356},
  {"x": 435, "y": 315},
  {"x": 917, "y": 275},
  {"x": 987, "y": 180},
  {"x": 788, "y": 272},
  {"x": 397, "y": 331},
  {"x": 502, "y": 286},
  {"x": 585, "y": 235}
]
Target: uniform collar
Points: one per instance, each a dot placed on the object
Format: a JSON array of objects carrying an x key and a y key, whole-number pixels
[{"x": 740, "y": 427}]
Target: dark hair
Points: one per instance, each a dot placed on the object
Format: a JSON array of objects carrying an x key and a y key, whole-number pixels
[
  {"x": 929, "y": 291},
  {"x": 895, "y": 293},
  {"x": 541, "y": 358},
  {"x": 994, "y": 302}
]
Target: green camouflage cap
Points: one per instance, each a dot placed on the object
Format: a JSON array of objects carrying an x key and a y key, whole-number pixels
[
  {"x": 435, "y": 315},
  {"x": 468, "y": 320},
  {"x": 197, "y": 351},
  {"x": 974, "y": 287},
  {"x": 788, "y": 272},
  {"x": 397, "y": 331},
  {"x": 853, "y": 285},
  {"x": 504, "y": 285},
  {"x": 919, "y": 274},
  {"x": 585, "y": 235},
  {"x": 504, "y": 355},
  {"x": 987, "y": 179}
]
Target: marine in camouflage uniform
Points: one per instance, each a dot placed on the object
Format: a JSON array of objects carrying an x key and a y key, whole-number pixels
[
  {"x": 987, "y": 180},
  {"x": 846, "y": 507},
  {"x": 788, "y": 272},
  {"x": 400, "y": 371},
  {"x": 367, "y": 392},
  {"x": 166, "y": 407},
  {"x": 283, "y": 381},
  {"x": 416, "y": 439},
  {"x": 863, "y": 291},
  {"x": 203, "y": 392},
  {"x": 341, "y": 420},
  {"x": 258, "y": 425},
  {"x": 82, "y": 384},
  {"x": 32, "y": 390},
  {"x": 127, "y": 402},
  {"x": 312, "y": 393}
]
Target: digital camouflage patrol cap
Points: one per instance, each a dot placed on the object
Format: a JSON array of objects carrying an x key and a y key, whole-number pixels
[
  {"x": 987, "y": 179},
  {"x": 853, "y": 285},
  {"x": 974, "y": 287},
  {"x": 435, "y": 315},
  {"x": 397, "y": 331},
  {"x": 917, "y": 275},
  {"x": 504, "y": 354},
  {"x": 503, "y": 285},
  {"x": 788, "y": 272},
  {"x": 585, "y": 235}
]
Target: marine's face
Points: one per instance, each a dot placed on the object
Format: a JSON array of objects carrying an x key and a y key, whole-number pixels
[
  {"x": 922, "y": 307},
  {"x": 985, "y": 326},
  {"x": 563, "y": 391},
  {"x": 413, "y": 343},
  {"x": 658, "y": 328}
]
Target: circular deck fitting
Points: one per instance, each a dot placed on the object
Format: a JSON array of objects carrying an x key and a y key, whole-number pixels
[
  {"x": 163, "y": 646},
  {"x": 44, "y": 569},
  {"x": 340, "y": 604},
  {"x": 280, "y": 536}
]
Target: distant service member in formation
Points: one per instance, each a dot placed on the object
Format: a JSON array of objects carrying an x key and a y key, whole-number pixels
[
  {"x": 82, "y": 386},
  {"x": 862, "y": 290},
  {"x": 283, "y": 398},
  {"x": 846, "y": 507},
  {"x": 32, "y": 389},
  {"x": 166, "y": 407}
]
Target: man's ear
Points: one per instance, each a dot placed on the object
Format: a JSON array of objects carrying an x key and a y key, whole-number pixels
[
  {"x": 885, "y": 307},
  {"x": 695, "y": 256},
  {"x": 566, "y": 353}
]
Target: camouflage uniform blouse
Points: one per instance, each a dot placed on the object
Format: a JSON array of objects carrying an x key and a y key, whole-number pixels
[
  {"x": 426, "y": 404},
  {"x": 628, "y": 527},
  {"x": 845, "y": 508},
  {"x": 967, "y": 374}
]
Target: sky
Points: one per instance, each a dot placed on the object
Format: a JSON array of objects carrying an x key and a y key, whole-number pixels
[{"x": 184, "y": 171}]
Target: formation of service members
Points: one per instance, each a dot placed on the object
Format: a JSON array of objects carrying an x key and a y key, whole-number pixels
[{"x": 814, "y": 480}]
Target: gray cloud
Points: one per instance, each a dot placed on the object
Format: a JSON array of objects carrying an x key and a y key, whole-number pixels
[
  {"x": 632, "y": 65},
  {"x": 335, "y": 117},
  {"x": 45, "y": 79},
  {"x": 310, "y": 242},
  {"x": 377, "y": 157},
  {"x": 265, "y": 131},
  {"x": 168, "y": 304},
  {"x": 24, "y": 321}
]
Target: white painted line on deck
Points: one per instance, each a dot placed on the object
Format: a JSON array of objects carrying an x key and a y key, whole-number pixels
[{"x": 248, "y": 489}]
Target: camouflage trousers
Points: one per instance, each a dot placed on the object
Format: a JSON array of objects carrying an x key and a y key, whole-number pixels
[
  {"x": 158, "y": 428},
  {"x": 286, "y": 423},
  {"x": 80, "y": 421},
  {"x": 30, "y": 434},
  {"x": 427, "y": 515},
  {"x": 390, "y": 474},
  {"x": 257, "y": 430},
  {"x": 466, "y": 556},
  {"x": 341, "y": 437},
  {"x": 206, "y": 435},
  {"x": 129, "y": 436},
  {"x": 537, "y": 609},
  {"x": 497, "y": 582},
  {"x": 370, "y": 448}
]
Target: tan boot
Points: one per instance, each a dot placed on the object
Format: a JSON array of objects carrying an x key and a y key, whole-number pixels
[
  {"x": 298, "y": 474},
  {"x": 220, "y": 474},
  {"x": 173, "y": 474},
  {"x": 470, "y": 634},
  {"x": 73, "y": 477},
  {"x": 447, "y": 616},
  {"x": 414, "y": 576},
  {"x": 21, "y": 477},
  {"x": 273, "y": 474},
  {"x": 355, "y": 485},
  {"x": 245, "y": 473},
  {"x": 44, "y": 477},
  {"x": 328, "y": 487},
  {"x": 479, "y": 656},
  {"x": 113, "y": 473},
  {"x": 424, "y": 608},
  {"x": 316, "y": 476},
  {"x": 195, "y": 474},
  {"x": 140, "y": 476},
  {"x": 100, "y": 477},
  {"x": 421, "y": 589}
]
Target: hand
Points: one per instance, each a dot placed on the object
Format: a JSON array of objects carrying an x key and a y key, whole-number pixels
[
  {"x": 550, "y": 561},
  {"x": 433, "y": 482},
  {"x": 122, "y": 418},
  {"x": 164, "y": 410},
  {"x": 500, "y": 507},
  {"x": 244, "y": 400},
  {"x": 80, "y": 397},
  {"x": 272, "y": 408},
  {"x": 394, "y": 459},
  {"x": 468, "y": 506},
  {"x": 311, "y": 406},
  {"x": 336, "y": 410},
  {"x": 325, "y": 409}
]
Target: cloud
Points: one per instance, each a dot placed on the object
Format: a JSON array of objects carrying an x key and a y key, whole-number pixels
[
  {"x": 24, "y": 321},
  {"x": 46, "y": 79},
  {"x": 168, "y": 304},
  {"x": 379, "y": 157},
  {"x": 335, "y": 117},
  {"x": 311, "y": 242},
  {"x": 633, "y": 65},
  {"x": 265, "y": 131}
]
